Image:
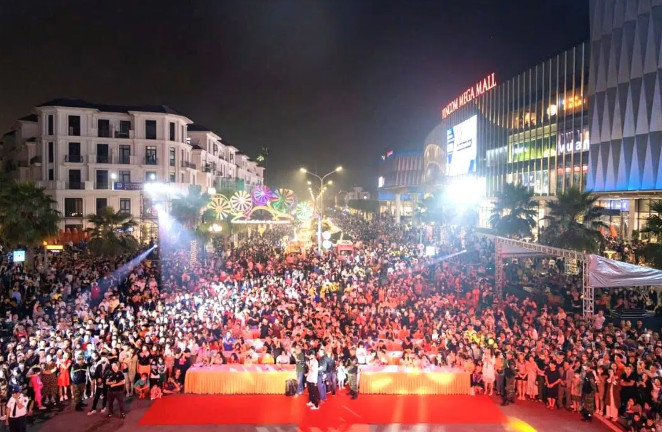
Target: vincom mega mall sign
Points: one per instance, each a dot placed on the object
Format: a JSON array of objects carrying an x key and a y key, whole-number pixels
[{"x": 487, "y": 83}]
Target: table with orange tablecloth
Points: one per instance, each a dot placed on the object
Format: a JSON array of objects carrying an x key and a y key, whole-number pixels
[
  {"x": 238, "y": 379},
  {"x": 402, "y": 380}
]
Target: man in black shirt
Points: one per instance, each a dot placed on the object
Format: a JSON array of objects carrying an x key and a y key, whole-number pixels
[
  {"x": 79, "y": 381},
  {"x": 115, "y": 383}
]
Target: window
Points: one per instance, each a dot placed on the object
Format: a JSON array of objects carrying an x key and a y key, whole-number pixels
[
  {"x": 73, "y": 207},
  {"x": 102, "y": 179},
  {"x": 51, "y": 152},
  {"x": 150, "y": 175},
  {"x": 150, "y": 129},
  {"x": 51, "y": 124},
  {"x": 74, "y": 153},
  {"x": 103, "y": 128},
  {"x": 74, "y": 125},
  {"x": 125, "y": 154},
  {"x": 172, "y": 131},
  {"x": 51, "y": 174},
  {"x": 125, "y": 127},
  {"x": 150, "y": 155},
  {"x": 125, "y": 205},
  {"x": 172, "y": 157},
  {"x": 125, "y": 176},
  {"x": 102, "y": 203},
  {"x": 102, "y": 153},
  {"x": 172, "y": 177},
  {"x": 184, "y": 137}
]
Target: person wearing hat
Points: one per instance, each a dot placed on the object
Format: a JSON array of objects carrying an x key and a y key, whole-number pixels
[{"x": 17, "y": 411}]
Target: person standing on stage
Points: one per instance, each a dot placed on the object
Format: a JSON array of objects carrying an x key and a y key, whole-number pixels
[
  {"x": 17, "y": 411},
  {"x": 79, "y": 381},
  {"x": 311, "y": 380},
  {"x": 300, "y": 361},
  {"x": 331, "y": 375},
  {"x": 115, "y": 383},
  {"x": 321, "y": 376},
  {"x": 352, "y": 365},
  {"x": 509, "y": 373}
]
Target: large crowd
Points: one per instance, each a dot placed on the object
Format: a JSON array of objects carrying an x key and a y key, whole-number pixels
[{"x": 95, "y": 331}]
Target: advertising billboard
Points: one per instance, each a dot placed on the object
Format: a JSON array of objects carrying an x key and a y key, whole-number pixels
[{"x": 461, "y": 148}]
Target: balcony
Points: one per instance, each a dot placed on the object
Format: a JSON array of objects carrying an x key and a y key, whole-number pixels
[
  {"x": 208, "y": 168},
  {"x": 124, "y": 160},
  {"x": 151, "y": 161},
  {"x": 187, "y": 164},
  {"x": 122, "y": 134},
  {"x": 103, "y": 159},
  {"x": 75, "y": 185},
  {"x": 73, "y": 158},
  {"x": 102, "y": 185}
]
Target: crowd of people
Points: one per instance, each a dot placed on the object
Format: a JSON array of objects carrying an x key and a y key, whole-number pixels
[{"x": 96, "y": 331}]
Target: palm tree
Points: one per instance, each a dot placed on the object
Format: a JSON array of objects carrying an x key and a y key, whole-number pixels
[
  {"x": 188, "y": 209},
  {"x": 574, "y": 221},
  {"x": 27, "y": 215},
  {"x": 110, "y": 236},
  {"x": 652, "y": 251},
  {"x": 513, "y": 214}
]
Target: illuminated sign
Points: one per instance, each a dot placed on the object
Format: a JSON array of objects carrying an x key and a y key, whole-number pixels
[
  {"x": 461, "y": 148},
  {"x": 54, "y": 247},
  {"x": 572, "y": 141},
  {"x": 380, "y": 182},
  {"x": 487, "y": 83}
]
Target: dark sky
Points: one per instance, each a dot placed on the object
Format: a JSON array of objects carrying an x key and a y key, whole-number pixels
[{"x": 321, "y": 83}]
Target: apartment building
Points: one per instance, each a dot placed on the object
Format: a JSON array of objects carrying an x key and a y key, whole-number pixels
[{"x": 89, "y": 156}]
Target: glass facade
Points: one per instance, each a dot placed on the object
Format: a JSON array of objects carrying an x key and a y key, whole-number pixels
[{"x": 532, "y": 129}]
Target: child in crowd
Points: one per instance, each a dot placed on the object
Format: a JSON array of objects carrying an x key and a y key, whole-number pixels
[
  {"x": 342, "y": 376},
  {"x": 142, "y": 386},
  {"x": 156, "y": 392}
]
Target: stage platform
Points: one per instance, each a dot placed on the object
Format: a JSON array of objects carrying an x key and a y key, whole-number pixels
[{"x": 270, "y": 379}]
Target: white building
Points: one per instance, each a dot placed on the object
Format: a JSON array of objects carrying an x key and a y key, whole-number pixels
[{"x": 89, "y": 156}]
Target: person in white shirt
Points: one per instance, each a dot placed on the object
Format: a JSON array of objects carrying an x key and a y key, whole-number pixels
[
  {"x": 311, "y": 381},
  {"x": 17, "y": 411}
]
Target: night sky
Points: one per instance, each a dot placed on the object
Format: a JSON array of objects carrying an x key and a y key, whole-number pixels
[{"x": 320, "y": 83}]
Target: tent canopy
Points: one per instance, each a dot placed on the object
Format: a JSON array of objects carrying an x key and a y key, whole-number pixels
[{"x": 606, "y": 273}]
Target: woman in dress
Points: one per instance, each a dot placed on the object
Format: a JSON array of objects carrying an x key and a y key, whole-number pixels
[
  {"x": 552, "y": 380},
  {"x": 49, "y": 380},
  {"x": 531, "y": 378},
  {"x": 489, "y": 371},
  {"x": 612, "y": 393},
  {"x": 63, "y": 378}
]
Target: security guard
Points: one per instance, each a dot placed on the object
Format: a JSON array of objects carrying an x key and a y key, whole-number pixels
[{"x": 17, "y": 411}]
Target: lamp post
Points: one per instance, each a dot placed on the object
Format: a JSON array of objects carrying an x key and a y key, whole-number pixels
[{"x": 321, "y": 210}]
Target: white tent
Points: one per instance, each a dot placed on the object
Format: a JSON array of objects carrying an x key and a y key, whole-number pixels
[
  {"x": 598, "y": 271},
  {"x": 607, "y": 273}
]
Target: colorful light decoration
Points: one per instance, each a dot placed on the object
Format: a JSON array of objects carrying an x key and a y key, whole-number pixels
[
  {"x": 284, "y": 200},
  {"x": 241, "y": 202},
  {"x": 304, "y": 211},
  {"x": 262, "y": 195},
  {"x": 221, "y": 205},
  {"x": 258, "y": 206}
]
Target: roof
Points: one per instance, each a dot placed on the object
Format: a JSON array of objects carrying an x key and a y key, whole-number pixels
[
  {"x": 196, "y": 147},
  {"x": 198, "y": 128},
  {"x": 30, "y": 118},
  {"x": 78, "y": 103}
]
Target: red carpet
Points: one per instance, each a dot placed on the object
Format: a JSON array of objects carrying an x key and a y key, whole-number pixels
[{"x": 337, "y": 412}]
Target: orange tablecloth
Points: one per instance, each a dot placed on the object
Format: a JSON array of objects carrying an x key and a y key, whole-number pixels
[
  {"x": 400, "y": 380},
  {"x": 238, "y": 379}
]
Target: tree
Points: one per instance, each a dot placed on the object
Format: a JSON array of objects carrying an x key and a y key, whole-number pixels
[
  {"x": 27, "y": 215},
  {"x": 652, "y": 251},
  {"x": 110, "y": 236},
  {"x": 188, "y": 209},
  {"x": 513, "y": 214},
  {"x": 574, "y": 221}
]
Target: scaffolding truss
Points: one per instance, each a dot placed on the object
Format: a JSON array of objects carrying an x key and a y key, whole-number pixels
[{"x": 505, "y": 247}]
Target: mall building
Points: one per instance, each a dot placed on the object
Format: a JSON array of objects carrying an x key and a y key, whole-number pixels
[{"x": 590, "y": 117}]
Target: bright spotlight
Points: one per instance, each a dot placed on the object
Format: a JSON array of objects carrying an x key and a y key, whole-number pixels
[
  {"x": 152, "y": 177},
  {"x": 211, "y": 191},
  {"x": 303, "y": 170},
  {"x": 466, "y": 191},
  {"x": 338, "y": 169}
]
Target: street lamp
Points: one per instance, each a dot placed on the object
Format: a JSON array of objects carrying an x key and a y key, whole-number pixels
[{"x": 322, "y": 188}]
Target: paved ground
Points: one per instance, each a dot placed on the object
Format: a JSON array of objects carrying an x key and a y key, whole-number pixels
[{"x": 530, "y": 413}]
